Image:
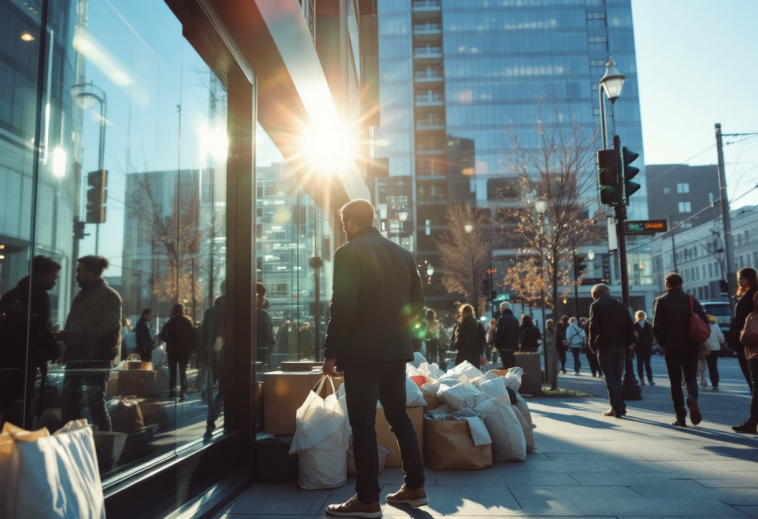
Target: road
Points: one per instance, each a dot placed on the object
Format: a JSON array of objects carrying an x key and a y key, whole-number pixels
[{"x": 721, "y": 409}]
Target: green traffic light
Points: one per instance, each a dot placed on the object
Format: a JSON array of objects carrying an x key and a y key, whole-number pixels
[
  {"x": 607, "y": 195},
  {"x": 629, "y": 172},
  {"x": 630, "y": 188}
]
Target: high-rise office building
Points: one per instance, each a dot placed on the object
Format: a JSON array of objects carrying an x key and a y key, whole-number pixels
[
  {"x": 682, "y": 194},
  {"x": 454, "y": 73}
]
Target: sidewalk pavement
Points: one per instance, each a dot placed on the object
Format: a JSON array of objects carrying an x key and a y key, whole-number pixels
[{"x": 585, "y": 465}]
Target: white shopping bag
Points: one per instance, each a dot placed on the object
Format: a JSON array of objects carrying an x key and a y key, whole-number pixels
[
  {"x": 322, "y": 439},
  {"x": 50, "y": 476}
]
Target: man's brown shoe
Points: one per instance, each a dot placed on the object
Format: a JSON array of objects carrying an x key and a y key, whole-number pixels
[
  {"x": 354, "y": 508},
  {"x": 405, "y": 496},
  {"x": 695, "y": 416}
]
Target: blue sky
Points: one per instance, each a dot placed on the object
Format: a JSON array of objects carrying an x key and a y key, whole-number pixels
[{"x": 696, "y": 61}]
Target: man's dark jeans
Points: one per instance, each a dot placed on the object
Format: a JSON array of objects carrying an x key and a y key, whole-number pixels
[
  {"x": 173, "y": 365},
  {"x": 643, "y": 362},
  {"x": 365, "y": 385},
  {"x": 612, "y": 363},
  {"x": 83, "y": 376},
  {"x": 713, "y": 367},
  {"x": 678, "y": 360},
  {"x": 753, "y": 366}
]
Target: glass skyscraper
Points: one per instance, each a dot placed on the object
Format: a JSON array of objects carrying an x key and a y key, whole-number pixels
[{"x": 454, "y": 73}]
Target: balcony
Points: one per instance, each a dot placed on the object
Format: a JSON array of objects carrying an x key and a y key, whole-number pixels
[
  {"x": 431, "y": 122},
  {"x": 429, "y": 76},
  {"x": 426, "y": 9},
  {"x": 427, "y": 54},
  {"x": 427, "y": 32},
  {"x": 430, "y": 99}
]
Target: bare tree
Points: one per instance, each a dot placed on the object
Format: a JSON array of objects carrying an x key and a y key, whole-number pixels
[
  {"x": 555, "y": 163},
  {"x": 466, "y": 248}
]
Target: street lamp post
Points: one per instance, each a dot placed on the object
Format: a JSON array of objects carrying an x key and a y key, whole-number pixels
[
  {"x": 469, "y": 228},
  {"x": 540, "y": 205},
  {"x": 402, "y": 216}
]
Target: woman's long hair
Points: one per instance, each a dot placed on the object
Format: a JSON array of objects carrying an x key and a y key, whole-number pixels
[
  {"x": 751, "y": 275},
  {"x": 525, "y": 320}
]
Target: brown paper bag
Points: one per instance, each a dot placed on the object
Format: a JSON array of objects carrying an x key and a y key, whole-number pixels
[
  {"x": 133, "y": 361},
  {"x": 127, "y": 416},
  {"x": 449, "y": 446},
  {"x": 136, "y": 382},
  {"x": 432, "y": 402}
]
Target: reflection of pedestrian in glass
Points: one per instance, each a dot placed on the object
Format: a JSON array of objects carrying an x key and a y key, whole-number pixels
[
  {"x": 305, "y": 341},
  {"x": 213, "y": 345},
  {"x": 126, "y": 329},
  {"x": 145, "y": 336},
  {"x": 17, "y": 317},
  {"x": 433, "y": 343},
  {"x": 179, "y": 336},
  {"x": 283, "y": 337},
  {"x": 265, "y": 330},
  {"x": 92, "y": 337}
]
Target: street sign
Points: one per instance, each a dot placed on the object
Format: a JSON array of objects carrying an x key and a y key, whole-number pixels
[{"x": 645, "y": 226}]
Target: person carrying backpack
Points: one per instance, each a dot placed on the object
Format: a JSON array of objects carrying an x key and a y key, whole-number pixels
[{"x": 575, "y": 339}]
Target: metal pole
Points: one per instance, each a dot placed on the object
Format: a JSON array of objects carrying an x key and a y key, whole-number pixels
[
  {"x": 673, "y": 243},
  {"x": 576, "y": 280},
  {"x": 100, "y": 164},
  {"x": 731, "y": 277},
  {"x": 603, "y": 129},
  {"x": 620, "y": 217}
]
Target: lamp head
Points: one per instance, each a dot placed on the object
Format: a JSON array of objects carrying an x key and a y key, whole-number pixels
[
  {"x": 591, "y": 255},
  {"x": 540, "y": 205},
  {"x": 613, "y": 81},
  {"x": 402, "y": 214},
  {"x": 430, "y": 270},
  {"x": 469, "y": 228}
]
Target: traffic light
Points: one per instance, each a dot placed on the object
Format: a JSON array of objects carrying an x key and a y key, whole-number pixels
[
  {"x": 493, "y": 295},
  {"x": 627, "y": 157},
  {"x": 97, "y": 181},
  {"x": 607, "y": 177},
  {"x": 580, "y": 265},
  {"x": 485, "y": 287}
]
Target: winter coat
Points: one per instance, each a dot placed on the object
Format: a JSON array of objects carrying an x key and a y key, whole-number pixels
[
  {"x": 145, "y": 335},
  {"x": 530, "y": 337},
  {"x": 508, "y": 333},
  {"x": 716, "y": 339},
  {"x": 611, "y": 325},
  {"x": 470, "y": 336},
  {"x": 671, "y": 322},
  {"x": 574, "y": 336},
  {"x": 644, "y": 338},
  {"x": 94, "y": 324},
  {"x": 742, "y": 309},
  {"x": 376, "y": 295},
  {"x": 180, "y": 337}
]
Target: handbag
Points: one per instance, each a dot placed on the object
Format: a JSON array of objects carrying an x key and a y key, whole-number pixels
[
  {"x": 699, "y": 329},
  {"x": 703, "y": 351},
  {"x": 749, "y": 333}
]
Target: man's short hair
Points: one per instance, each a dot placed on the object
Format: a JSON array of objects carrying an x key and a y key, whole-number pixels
[
  {"x": 146, "y": 311},
  {"x": 505, "y": 306},
  {"x": 359, "y": 211},
  {"x": 674, "y": 280},
  {"x": 96, "y": 264},
  {"x": 600, "y": 289},
  {"x": 44, "y": 265}
]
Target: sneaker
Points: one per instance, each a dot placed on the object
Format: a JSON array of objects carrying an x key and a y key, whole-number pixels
[
  {"x": 611, "y": 412},
  {"x": 576, "y": 373},
  {"x": 354, "y": 508},
  {"x": 406, "y": 496},
  {"x": 642, "y": 381},
  {"x": 695, "y": 416},
  {"x": 650, "y": 381},
  {"x": 679, "y": 422},
  {"x": 748, "y": 427}
]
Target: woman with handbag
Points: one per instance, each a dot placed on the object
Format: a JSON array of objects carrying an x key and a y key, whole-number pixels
[
  {"x": 745, "y": 308},
  {"x": 575, "y": 339}
]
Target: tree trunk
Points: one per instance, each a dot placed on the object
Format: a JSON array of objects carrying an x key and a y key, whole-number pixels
[{"x": 554, "y": 347}]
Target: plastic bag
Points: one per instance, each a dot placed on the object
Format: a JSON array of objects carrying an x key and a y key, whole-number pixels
[
  {"x": 413, "y": 395},
  {"x": 508, "y": 440},
  {"x": 513, "y": 378},
  {"x": 321, "y": 439},
  {"x": 526, "y": 427},
  {"x": 495, "y": 388},
  {"x": 460, "y": 396},
  {"x": 431, "y": 371},
  {"x": 462, "y": 372},
  {"x": 383, "y": 453}
]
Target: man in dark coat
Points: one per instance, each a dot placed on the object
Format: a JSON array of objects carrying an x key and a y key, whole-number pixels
[
  {"x": 671, "y": 327},
  {"x": 92, "y": 337},
  {"x": 145, "y": 336},
  {"x": 507, "y": 334},
  {"x": 19, "y": 316},
  {"x": 611, "y": 334},
  {"x": 377, "y": 295}
]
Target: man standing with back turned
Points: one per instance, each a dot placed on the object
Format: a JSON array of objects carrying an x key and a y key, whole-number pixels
[
  {"x": 377, "y": 295},
  {"x": 611, "y": 333}
]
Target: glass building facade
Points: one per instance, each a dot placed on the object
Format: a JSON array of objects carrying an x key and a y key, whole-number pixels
[
  {"x": 455, "y": 73},
  {"x": 138, "y": 135}
]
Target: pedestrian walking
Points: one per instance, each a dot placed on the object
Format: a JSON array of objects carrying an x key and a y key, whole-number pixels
[
  {"x": 562, "y": 344},
  {"x": 591, "y": 357},
  {"x": 92, "y": 336},
  {"x": 470, "y": 338},
  {"x": 507, "y": 334},
  {"x": 611, "y": 334},
  {"x": 433, "y": 329},
  {"x": 376, "y": 294},
  {"x": 179, "y": 334},
  {"x": 748, "y": 287},
  {"x": 145, "y": 336},
  {"x": 490, "y": 349},
  {"x": 746, "y": 291},
  {"x": 671, "y": 328},
  {"x": 575, "y": 339},
  {"x": 643, "y": 347},
  {"x": 715, "y": 341},
  {"x": 529, "y": 335}
]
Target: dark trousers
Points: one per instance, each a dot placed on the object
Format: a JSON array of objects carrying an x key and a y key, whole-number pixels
[
  {"x": 678, "y": 360},
  {"x": 577, "y": 363},
  {"x": 643, "y": 362},
  {"x": 145, "y": 354},
  {"x": 473, "y": 358},
  {"x": 594, "y": 364},
  {"x": 713, "y": 369},
  {"x": 612, "y": 362},
  {"x": 562, "y": 358},
  {"x": 172, "y": 367},
  {"x": 93, "y": 383},
  {"x": 744, "y": 365},
  {"x": 753, "y": 367},
  {"x": 365, "y": 385}
]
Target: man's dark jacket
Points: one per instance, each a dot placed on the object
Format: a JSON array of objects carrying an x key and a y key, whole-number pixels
[
  {"x": 94, "y": 324},
  {"x": 507, "y": 332},
  {"x": 671, "y": 321},
  {"x": 376, "y": 296},
  {"x": 470, "y": 336},
  {"x": 611, "y": 325},
  {"x": 145, "y": 335},
  {"x": 180, "y": 337},
  {"x": 742, "y": 309},
  {"x": 644, "y": 340}
]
